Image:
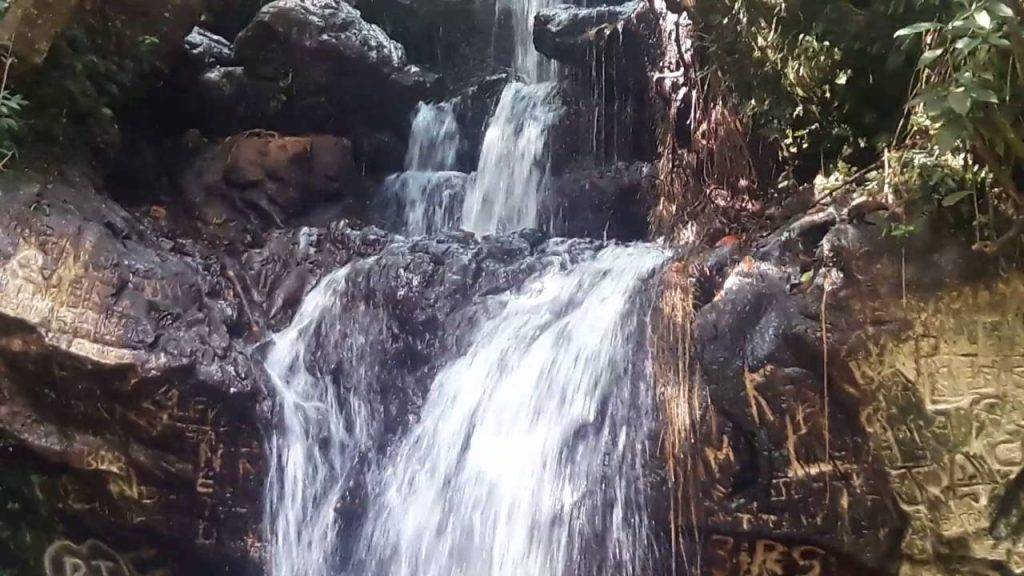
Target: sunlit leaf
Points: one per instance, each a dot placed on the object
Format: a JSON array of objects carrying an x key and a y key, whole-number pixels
[
  {"x": 983, "y": 18},
  {"x": 930, "y": 56},
  {"x": 1000, "y": 9},
  {"x": 983, "y": 94},
  {"x": 956, "y": 197},
  {"x": 965, "y": 45},
  {"x": 960, "y": 101},
  {"x": 917, "y": 28}
]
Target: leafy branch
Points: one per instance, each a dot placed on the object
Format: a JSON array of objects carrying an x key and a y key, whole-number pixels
[{"x": 971, "y": 84}]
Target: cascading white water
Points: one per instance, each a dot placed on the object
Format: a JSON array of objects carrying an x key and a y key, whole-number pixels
[
  {"x": 318, "y": 437},
  {"x": 514, "y": 160},
  {"x": 528, "y": 456},
  {"x": 427, "y": 197},
  {"x": 434, "y": 140},
  {"x": 513, "y": 169},
  {"x": 426, "y": 202},
  {"x": 527, "y": 63}
]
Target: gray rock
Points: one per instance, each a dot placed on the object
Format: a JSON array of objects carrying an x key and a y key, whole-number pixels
[{"x": 341, "y": 70}]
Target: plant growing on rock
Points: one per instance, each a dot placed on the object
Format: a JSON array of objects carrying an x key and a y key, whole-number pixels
[
  {"x": 971, "y": 84},
  {"x": 12, "y": 105}
]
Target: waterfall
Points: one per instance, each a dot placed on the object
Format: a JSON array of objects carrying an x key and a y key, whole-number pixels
[
  {"x": 427, "y": 198},
  {"x": 513, "y": 169},
  {"x": 434, "y": 140},
  {"x": 527, "y": 63},
  {"x": 319, "y": 434},
  {"x": 528, "y": 456}
]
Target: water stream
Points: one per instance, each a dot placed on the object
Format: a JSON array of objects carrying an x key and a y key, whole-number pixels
[
  {"x": 514, "y": 161},
  {"x": 527, "y": 457},
  {"x": 427, "y": 198}
]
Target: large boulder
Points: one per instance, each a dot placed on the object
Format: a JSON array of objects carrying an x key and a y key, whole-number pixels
[
  {"x": 248, "y": 184},
  {"x": 127, "y": 404},
  {"x": 756, "y": 346},
  {"x": 340, "y": 70},
  {"x": 600, "y": 202},
  {"x": 452, "y": 37}
]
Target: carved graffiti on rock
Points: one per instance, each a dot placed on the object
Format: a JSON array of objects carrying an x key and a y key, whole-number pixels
[
  {"x": 729, "y": 556},
  {"x": 945, "y": 415},
  {"x": 93, "y": 558}
]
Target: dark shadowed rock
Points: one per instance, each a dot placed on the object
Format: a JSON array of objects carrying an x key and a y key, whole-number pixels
[
  {"x": 207, "y": 50},
  {"x": 224, "y": 100},
  {"x": 340, "y": 70},
  {"x": 598, "y": 203},
  {"x": 452, "y": 37},
  {"x": 787, "y": 467}
]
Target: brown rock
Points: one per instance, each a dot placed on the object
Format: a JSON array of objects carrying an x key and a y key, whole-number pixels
[{"x": 257, "y": 181}]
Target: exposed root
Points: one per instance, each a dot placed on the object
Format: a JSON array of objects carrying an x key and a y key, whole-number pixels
[{"x": 680, "y": 399}]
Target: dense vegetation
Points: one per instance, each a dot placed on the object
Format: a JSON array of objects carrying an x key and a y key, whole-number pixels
[{"x": 921, "y": 97}]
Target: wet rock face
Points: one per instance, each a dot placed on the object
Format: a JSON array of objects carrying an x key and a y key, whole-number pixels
[
  {"x": 340, "y": 69},
  {"x": 601, "y": 202},
  {"x": 451, "y": 37},
  {"x": 784, "y": 474},
  {"x": 122, "y": 390},
  {"x": 849, "y": 396},
  {"x": 574, "y": 34}
]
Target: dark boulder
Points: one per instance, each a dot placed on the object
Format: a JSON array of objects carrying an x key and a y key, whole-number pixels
[
  {"x": 452, "y": 37},
  {"x": 207, "y": 50},
  {"x": 341, "y": 71},
  {"x": 787, "y": 472},
  {"x": 600, "y": 202}
]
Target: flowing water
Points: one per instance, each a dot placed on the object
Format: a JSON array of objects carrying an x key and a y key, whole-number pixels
[
  {"x": 527, "y": 63},
  {"x": 528, "y": 455},
  {"x": 434, "y": 140},
  {"x": 309, "y": 452},
  {"x": 427, "y": 198},
  {"x": 514, "y": 160}
]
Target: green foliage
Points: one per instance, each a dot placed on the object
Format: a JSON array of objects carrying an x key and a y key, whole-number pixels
[
  {"x": 12, "y": 107},
  {"x": 968, "y": 105},
  {"x": 973, "y": 81},
  {"x": 94, "y": 72},
  {"x": 821, "y": 80}
]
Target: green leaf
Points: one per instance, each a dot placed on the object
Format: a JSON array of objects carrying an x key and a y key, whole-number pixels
[
  {"x": 929, "y": 57},
  {"x": 997, "y": 41},
  {"x": 965, "y": 45},
  {"x": 983, "y": 94},
  {"x": 1000, "y": 9},
  {"x": 956, "y": 197},
  {"x": 946, "y": 138},
  {"x": 983, "y": 18},
  {"x": 917, "y": 28},
  {"x": 960, "y": 101}
]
